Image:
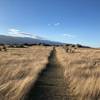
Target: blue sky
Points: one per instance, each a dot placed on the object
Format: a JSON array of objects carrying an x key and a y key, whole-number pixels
[{"x": 70, "y": 21}]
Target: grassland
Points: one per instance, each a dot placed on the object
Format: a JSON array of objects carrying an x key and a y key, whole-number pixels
[
  {"x": 19, "y": 68},
  {"x": 82, "y": 72}
]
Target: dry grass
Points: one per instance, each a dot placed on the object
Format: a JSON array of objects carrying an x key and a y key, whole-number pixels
[
  {"x": 19, "y": 68},
  {"x": 82, "y": 72}
]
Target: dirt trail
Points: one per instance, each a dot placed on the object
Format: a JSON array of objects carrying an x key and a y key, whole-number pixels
[{"x": 51, "y": 84}]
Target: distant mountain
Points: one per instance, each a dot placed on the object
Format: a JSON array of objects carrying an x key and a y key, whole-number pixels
[{"x": 22, "y": 40}]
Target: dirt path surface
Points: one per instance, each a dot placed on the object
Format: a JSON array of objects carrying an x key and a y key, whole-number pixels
[{"x": 51, "y": 84}]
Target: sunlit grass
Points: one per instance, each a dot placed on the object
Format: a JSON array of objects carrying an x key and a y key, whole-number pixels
[
  {"x": 19, "y": 68},
  {"x": 82, "y": 72}
]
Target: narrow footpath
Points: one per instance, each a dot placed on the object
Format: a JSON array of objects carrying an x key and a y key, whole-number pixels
[{"x": 51, "y": 84}]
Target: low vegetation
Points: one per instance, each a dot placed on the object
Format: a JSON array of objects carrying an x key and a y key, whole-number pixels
[
  {"x": 19, "y": 68},
  {"x": 3, "y": 47},
  {"x": 82, "y": 72}
]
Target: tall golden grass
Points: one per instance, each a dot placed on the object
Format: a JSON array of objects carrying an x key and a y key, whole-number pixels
[
  {"x": 82, "y": 72},
  {"x": 19, "y": 69}
]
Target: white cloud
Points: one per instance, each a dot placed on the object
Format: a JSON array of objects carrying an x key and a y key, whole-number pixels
[
  {"x": 57, "y": 24},
  {"x": 54, "y": 24},
  {"x": 14, "y": 32},
  {"x": 18, "y": 33},
  {"x": 69, "y": 35}
]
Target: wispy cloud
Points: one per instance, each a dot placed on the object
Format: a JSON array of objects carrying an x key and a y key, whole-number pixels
[
  {"x": 55, "y": 24},
  {"x": 18, "y": 33},
  {"x": 69, "y": 35}
]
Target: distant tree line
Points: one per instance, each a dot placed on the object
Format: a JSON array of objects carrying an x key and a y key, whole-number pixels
[{"x": 4, "y": 47}]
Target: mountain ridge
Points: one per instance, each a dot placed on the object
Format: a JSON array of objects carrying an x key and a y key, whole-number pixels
[{"x": 4, "y": 39}]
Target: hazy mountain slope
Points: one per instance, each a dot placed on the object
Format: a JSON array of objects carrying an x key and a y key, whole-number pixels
[{"x": 21, "y": 40}]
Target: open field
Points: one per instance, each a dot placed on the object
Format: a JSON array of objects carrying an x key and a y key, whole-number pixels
[
  {"x": 82, "y": 72},
  {"x": 19, "y": 68},
  {"x": 47, "y": 73}
]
